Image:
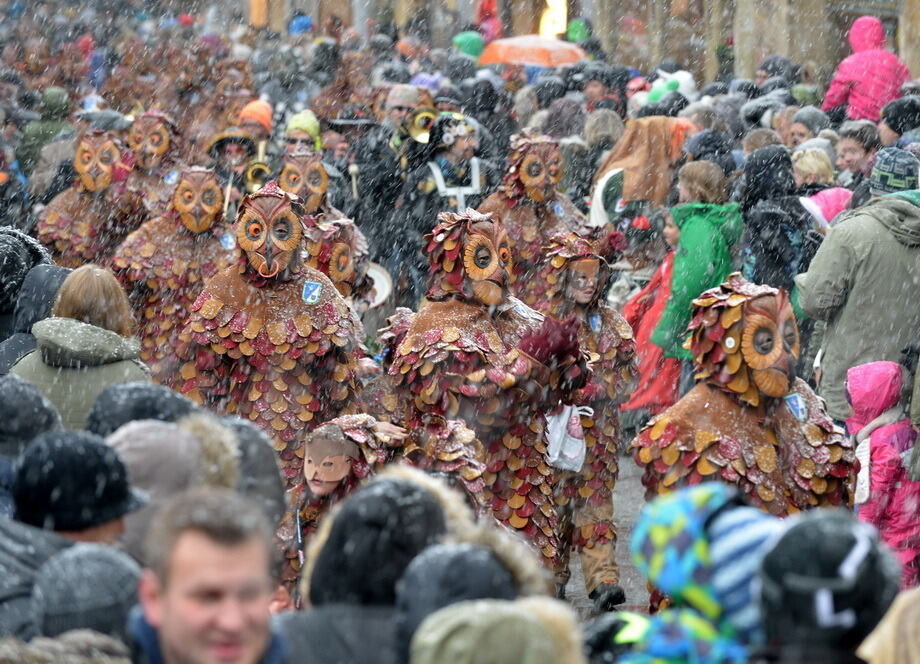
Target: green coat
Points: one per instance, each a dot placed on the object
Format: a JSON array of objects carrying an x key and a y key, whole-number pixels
[
  {"x": 864, "y": 282},
  {"x": 74, "y": 362},
  {"x": 702, "y": 261},
  {"x": 55, "y": 107}
]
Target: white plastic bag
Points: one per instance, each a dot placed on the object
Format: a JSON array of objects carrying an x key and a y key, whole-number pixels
[{"x": 566, "y": 449}]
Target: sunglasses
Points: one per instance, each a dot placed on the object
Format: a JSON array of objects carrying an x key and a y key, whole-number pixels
[
  {"x": 295, "y": 141},
  {"x": 407, "y": 109}
]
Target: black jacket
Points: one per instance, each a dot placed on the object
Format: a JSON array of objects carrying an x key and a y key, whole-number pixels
[
  {"x": 339, "y": 634},
  {"x": 36, "y": 298}
]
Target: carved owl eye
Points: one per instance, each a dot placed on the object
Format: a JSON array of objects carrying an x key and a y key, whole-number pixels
[
  {"x": 255, "y": 231},
  {"x": 188, "y": 196},
  {"x": 156, "y": 139},
  {"x": 107, "y": 157},
  {"x": 136, "y": 139},
  {"x": 86, "y": 157},
  {"x": 210, "y": 196},
  {"x": 763, "y": 341},
  {"x": 504, "y": 254},
  {"x": 479, "y": 257},
  {"x": 316, "y": 178},
  {"x": 286, "y": 231}
]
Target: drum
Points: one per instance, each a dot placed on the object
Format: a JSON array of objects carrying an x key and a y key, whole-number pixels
[{"x": 380, "y": 306}]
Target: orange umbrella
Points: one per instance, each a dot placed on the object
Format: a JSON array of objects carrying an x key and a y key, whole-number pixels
[{"x": 531, "y": 50}]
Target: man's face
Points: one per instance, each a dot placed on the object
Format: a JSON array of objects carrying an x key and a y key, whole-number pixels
[
  {"x": 798, "y": 134},
  {"x": 594, "y": 90},
  {"x": 298, "y": 140},
  {"x": 851, "y": 156},
  {"x": 464, "y": 147},
  {"x": 214, "y": 606},
  {"x": 398, "y": 114},
  {"x": 760, "y": 76}
]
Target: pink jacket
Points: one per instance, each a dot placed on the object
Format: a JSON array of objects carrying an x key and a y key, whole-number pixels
[
  {"x": 893, "y": 505},
  {"x": 870, "y": 77}
]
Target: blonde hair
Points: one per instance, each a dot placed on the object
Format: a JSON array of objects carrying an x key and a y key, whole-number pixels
[
  {"x": 91, "y": 294},
  {"x": 705, "y": 182},
  {"x": 813, "y": 161}
]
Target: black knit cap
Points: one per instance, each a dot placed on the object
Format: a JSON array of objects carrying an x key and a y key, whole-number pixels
[
  {"x": 126, "y": 402},
  {"x": 902, "y": 114},
  {"x": 71, "y": 481},
  {"x": 24, "y": 414}
]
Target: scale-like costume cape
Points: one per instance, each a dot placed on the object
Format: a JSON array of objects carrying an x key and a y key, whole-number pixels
[
  {"x": 530, "y": 225},
  {"x": 784, "y": 454},
  {"x": 80, "y": 227},
  {"x": 163, "y": 267},
  {"x": 264, "y": 353},
  {"x": 608, "y": 339}
]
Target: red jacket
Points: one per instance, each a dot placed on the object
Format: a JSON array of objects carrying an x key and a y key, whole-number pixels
[
  {"x": 893, "y": 505},
  {"x": 659, "y": 376},
  {"x": 870, "y": 77}
]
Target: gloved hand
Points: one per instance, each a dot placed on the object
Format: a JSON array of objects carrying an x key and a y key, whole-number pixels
[
  {"x": 607, "y": 596},
  {"x": 553, "y": 339}
]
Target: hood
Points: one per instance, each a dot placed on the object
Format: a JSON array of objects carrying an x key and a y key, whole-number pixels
[
  {"x": 55, "y": 104},
  {"x": 725, "y": 219},
  {"x": 36, "y": 297},
  {"x": 866, "y": 34},
  {"x": 23, "y": 549},
  {"x": 65, "y": 342},
  {"x": 900, "y": 214},
  {"x": 872, "y": 389},
  {"x": 379, "y": 529},
  {"x": 768, "y": 175}
]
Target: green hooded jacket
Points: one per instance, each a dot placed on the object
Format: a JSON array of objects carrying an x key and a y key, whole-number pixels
[
  {"x": 703, "y": 259},
  {"x": 37, "y": 134}
]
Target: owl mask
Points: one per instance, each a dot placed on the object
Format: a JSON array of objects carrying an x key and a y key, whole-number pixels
[
  {"x": 469, "y": 255},
  {"x": 332, "y": 248},
  {"x": 269, "y": 231},
  {"x": 534, "y": 168},
  {"x": 197, "y": 199},
  {"x": 152, "y": 137},
  {"x": 98, "y": 160},
  {"x": 745, "y": 339},
  {"x": 304, "y": 175}
]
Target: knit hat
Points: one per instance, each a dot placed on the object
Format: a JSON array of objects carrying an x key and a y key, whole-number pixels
[
  {"x": 19, "y": 253},
  {"x": 446, "y": 574},
  {"x": 260, "y": 475},
  {"x": 895, "y": 170},
  {"x": 812, "y": 118},
  {"x": 24, "y": 414},
  {"x": 827, "y": 581},
  {"x": 85, "y": 586},
  {"x": 260, "y": 111},
  {"x": 902, "y": 114},
  {"x": 738, "y": 539},
  {"x": 305, "y": 121},
  {"x": 402, "y": 94},
  {"x": 125, "y": 402},
  {"x": 379, "y": 529},
  {"x": 71, "y": 481}
]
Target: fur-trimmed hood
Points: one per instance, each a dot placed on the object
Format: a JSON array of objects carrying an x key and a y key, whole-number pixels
[{"x": 164, "y": 458}]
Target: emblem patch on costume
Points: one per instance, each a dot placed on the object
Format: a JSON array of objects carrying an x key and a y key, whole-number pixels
[
  {"x": 557, "y": 208},
  {"x": 228, "y": 241},
  {"x": 311, "y": 292},
  {"x": 797, "y": 406},
  {"x": 594, "y": 320},
  {"x": 171, "y": 178}
]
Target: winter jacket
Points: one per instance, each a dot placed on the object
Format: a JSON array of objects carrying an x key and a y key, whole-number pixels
[
  {"x": 886, "y": 496},
  {"x": 339, "y": 634},
  {"x": 74, "y": 362},
  {"x": 145, "y": 643},
  {"x": 23, "y": 550},
  {"x": 658, "y": 375},
  {"x": 36, "y": 297},
  {"x": 55, "y": 107},
  {"x": 870, "y": 77},
  {"x": 702, "y": 260},
  {"x": 863, "y": 282}
]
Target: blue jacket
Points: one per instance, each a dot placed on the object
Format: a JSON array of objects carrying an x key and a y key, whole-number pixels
[{"x": 145, "y": 642}]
